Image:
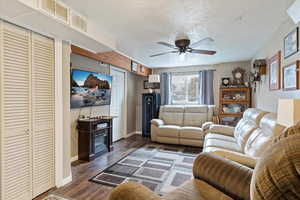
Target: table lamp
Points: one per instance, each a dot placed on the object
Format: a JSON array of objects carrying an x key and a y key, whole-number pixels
[{"x": 155, "y": 80}]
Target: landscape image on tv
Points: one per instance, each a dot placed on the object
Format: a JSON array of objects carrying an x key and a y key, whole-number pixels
[{"x": 90, "y": 89}]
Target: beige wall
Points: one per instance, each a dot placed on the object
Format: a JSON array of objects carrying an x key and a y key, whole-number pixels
[
  {"x": 134, "y": 91},
  {"x": 264, "y": 98},
  {"x": 66, "y": 51},
  {"x": 222, "y": 70},
  {"x": 80, "y": 62},
  {"x": 134, "y": 106}
]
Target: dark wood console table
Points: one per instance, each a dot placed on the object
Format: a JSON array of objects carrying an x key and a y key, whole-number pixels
[{"x": 95, "y": 137}]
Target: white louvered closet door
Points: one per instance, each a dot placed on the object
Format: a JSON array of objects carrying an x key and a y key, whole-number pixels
[
  {"x": 16, "y": 161},
  {"x": 43, "y": 106}
]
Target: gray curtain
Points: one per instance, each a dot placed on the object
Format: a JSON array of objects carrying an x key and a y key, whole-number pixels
[
  {"x": 165, "y": 84},
  {"x": 206, "y": 86}
]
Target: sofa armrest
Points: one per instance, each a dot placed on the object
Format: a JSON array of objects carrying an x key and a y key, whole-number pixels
[
  {"x": 238, "y": 157},
  {"x": 228, "y": 176},
  {"x": 222, "y": 129},
  {"x": 132, "y": 191},
  {"x": 157, "y": 122},
  {"x": 206, "y": 125}
]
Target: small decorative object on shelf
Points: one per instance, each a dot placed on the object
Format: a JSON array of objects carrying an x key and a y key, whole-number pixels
[
  {"x": 238, "y": 76},
  {"x": 233, "y": 102},
  {"x": 225, "y": 82}
]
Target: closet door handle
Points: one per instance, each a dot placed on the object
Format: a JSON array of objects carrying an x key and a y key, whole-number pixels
[{"x": 27, "y": 131}]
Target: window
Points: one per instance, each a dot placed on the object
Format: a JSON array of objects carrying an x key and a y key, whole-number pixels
[{"x": 184, "y": 88}]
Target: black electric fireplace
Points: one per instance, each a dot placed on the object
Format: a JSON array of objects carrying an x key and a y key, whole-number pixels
[
  {"x": 100, "y": 141},
  {"x": 95, "y": 137}
]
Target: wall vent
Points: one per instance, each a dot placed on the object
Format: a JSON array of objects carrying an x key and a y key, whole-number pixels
[
  {"x": 55, "y": 8},
  {"x": 47, "y": 6},
  {"x": 78, "y": 21},
  {"x": 62, "y": 11}
]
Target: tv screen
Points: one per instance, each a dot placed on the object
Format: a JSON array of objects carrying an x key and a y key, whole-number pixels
[{"x": 90, "y": 89}]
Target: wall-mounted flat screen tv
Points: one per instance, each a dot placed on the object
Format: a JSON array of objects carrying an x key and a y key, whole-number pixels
[{"x": 90, "y": 89}]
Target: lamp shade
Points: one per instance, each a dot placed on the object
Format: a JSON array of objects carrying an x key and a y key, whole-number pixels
[
  {"x": 155, "y": 78},
  {"x": 288, "y": 113}
]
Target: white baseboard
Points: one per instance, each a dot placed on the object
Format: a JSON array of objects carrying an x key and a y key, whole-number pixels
[
  {"x": 133, "y": 133},
  {"x": 75, "y": 158},
  {"x": 67, "y": 180}
]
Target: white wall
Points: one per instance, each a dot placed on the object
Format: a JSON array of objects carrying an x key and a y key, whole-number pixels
[{"x": 264, "y": 98}]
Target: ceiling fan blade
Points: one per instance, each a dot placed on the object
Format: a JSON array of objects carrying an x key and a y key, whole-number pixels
[
  {"x": 160, "y": 54},
  {"x": 202, "y": 52},
  {"x": 200, "y": 42},
  {"x": 167, "y": 45}
]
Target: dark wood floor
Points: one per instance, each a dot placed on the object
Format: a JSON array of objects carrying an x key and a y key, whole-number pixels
[{"x": 81, "y": 188}]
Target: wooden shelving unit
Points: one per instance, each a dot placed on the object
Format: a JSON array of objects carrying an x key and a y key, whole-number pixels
[{"x": 233, "y": 103}]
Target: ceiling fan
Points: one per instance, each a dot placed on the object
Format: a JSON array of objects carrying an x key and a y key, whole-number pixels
[{"x": 183, "y": 46}]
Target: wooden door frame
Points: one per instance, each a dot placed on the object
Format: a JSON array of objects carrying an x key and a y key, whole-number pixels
[{"x": 125, "y": 97}]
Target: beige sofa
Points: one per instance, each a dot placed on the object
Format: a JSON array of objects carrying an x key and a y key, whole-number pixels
[
  {"x": 246, "y": 142},
  {"x": 275, "y": 177},
  {"x": 185, "y": 125}
]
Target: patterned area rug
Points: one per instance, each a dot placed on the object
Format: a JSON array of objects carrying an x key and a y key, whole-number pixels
[{"x": 161, "y": 168}]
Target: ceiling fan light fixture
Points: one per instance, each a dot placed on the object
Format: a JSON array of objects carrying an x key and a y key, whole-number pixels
[{"x": 182, "y": 56}]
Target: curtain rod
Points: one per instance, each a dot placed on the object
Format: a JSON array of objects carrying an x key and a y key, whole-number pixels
[{"x": 189, "y": 71}]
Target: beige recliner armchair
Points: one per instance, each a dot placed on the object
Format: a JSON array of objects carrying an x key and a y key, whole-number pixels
[
  {"x": 179, "y": 124},
  {"x": 275, "y": 177}
]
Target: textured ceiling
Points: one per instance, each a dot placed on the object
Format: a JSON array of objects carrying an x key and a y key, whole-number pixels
[{"x": 239, "y": 27}]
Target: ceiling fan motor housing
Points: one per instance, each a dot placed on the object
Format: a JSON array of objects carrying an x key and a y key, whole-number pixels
[{"x": 182, "y": 44}]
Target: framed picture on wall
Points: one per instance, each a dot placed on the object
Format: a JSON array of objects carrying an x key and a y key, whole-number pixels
[
  {"x": 290, "y": 75},
  {"x": 291, "y": 45},
  {"x": 134, "y": 66},
  {"x": 274, "y": 71},
  {"x": 142, "y": 68}
]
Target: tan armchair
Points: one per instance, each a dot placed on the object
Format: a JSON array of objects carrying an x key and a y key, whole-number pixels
[{"x": 276, "y": 176}]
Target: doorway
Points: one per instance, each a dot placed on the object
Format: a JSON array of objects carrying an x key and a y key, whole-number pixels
[{"x": 118, "y": 103}]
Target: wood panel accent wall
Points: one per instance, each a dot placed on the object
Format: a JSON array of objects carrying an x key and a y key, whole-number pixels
[
  {"x": 113, "y": 58},
  {"x": 123, "y": 62}
]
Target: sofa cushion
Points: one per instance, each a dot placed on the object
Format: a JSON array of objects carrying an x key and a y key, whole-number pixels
[
  {"x": 215, "y": 149},
  {"x": 169, "y": 131},
  {"x": 263, "y": 137},
  {"x": 254, "y": 114},
  {"x": 172, "y": 115},
  {"x": 249, "y": 122},
  {"x": 276, "y": 175},
  {"x": 222, "y": 144},
  {"x": 191, "y": 142},
  {"x": 195, "y": 115},
  {"x": 222, "y": 129},
  {"x": 243, "y": 131},
  {"x": 191, "y": 133},
  {"x": 220, "y": 137},
  {"x": 196, "y": 189}
]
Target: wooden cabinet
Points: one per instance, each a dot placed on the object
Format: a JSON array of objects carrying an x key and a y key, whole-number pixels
[
  {"x": 95, "y": 137},
  {"x": 233, "y": 103}
]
